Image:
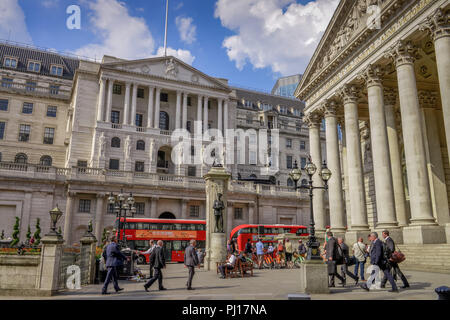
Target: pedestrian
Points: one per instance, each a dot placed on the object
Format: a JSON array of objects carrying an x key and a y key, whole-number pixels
[
  {"x": 152, "y": 246},
  {"x": 301, "y": 248},
  {"x": 281, "y": 253},
  {"x": 114, "y": 259},
  {"x": 229, "y": 265},
  {"x": 289, "y": 250},
  {"x": 260, "y": 252},
  {"x": 360, "y": 253},
  {"x": 377, "y": 258},
  {"x": 333, "y": 258},
  {"x": 270, "y": 249},
  {"x": 159, "y": 262},
  {"x": 191, "y": 261},
  {"x": 389, "y": 250},
  {"x": 248, "y": 247},
  {"x": 343, "y": 248}
]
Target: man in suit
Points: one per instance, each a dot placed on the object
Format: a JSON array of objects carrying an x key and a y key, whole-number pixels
[
  {"x": 190, "y": 261},
  {"x": 344, "y": 252},
  {"x": 149, "y": 251},
  {"x": 158, "y": 262},
  {"x": 333, "y": 258},
  {"x": 389, "y": 249},
  {"x": 377, "y": 258},
  {"x": 114, "y": 259}
]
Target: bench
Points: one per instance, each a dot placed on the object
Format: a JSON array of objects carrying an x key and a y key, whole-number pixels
[{"x": 246, "y": 266}]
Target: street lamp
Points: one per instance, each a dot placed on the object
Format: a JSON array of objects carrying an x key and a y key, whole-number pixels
[
  {"x": 55, "y": 214},
  {"x": 325, "y": 174},
  {"x": 123, "y": 207}
]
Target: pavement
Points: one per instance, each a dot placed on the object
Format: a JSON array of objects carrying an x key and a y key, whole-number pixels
[{"x": 264, "y": 285}]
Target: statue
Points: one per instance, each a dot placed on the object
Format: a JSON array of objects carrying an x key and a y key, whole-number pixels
[
  {"x": 171, "y": 68},
  {"x": 218, "y": 215},
  {"x": 127, "y": 147},
  {"x": 102, "y": 144}
]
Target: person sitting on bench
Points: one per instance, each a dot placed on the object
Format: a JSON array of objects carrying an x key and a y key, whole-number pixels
[{"x": 229, "y": 265}]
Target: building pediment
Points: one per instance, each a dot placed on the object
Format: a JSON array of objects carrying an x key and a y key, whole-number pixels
[{"x": 169, "y": 68}]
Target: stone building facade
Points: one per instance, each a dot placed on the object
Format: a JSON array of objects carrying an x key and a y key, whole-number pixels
[
  {"x": 381, "y": 74},
  {"x": 72, "y": 131}
]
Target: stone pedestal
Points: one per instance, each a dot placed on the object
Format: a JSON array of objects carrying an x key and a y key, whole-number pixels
[
  {"x": 447, "y": 232},
  {"x": 50, "y": 264},
  {"x": 218, "y": 249},
  {"x": 423, "y": 234},
  {"x": 314, "y": 277},
  {"x": 88, "y": 246}
]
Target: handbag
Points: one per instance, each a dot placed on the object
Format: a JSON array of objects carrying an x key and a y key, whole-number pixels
[
  {"x": 332, "y": 268},
  {"x": 351, "y": 261},
  {"x": 366, "y": 254},
  {"x": 398, "y": 257}
]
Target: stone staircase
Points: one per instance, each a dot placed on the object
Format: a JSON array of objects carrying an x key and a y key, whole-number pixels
[{"x": 426, "y": 257}]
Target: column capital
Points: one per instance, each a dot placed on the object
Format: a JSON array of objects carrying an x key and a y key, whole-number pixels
[
  {"x": 329, "y": 108},
  {"x": 100, "y": 195},
  {"x": 403, "y": 52},
  {"x": 390, "y": 96},
  {"x": 348, "y": 93},
  {"x": 427, "y": 99},
  {"x": 312, "y": 119},
  {"x": 372, "y": 75},
  {"x": 158, "y": 89},
  {"x": 437, "y": 24},
  {"x": 71, "y": 194}
]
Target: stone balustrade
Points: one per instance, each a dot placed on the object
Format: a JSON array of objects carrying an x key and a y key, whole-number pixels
[{"x": 47, "y": 92}]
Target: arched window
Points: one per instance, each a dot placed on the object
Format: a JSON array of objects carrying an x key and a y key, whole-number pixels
[
  {"x": 46, "y": 161},
  {"x": 290, "y": 182},
  {"x": 304, "y": 182},
  {"x": 163, "y": 120},
  {"x": 21, "y": 158},
  {"x": 140, "y": 145},
  {"x": 115, "y": 142}
]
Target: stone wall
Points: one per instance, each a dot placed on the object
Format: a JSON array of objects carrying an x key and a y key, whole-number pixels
[{"x": 19, "y": 274}]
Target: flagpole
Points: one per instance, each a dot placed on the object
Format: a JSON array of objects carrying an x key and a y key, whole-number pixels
[{"x": 165, "y": 36}]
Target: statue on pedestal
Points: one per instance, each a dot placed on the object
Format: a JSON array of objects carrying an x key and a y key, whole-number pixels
[{"x": 218, "y": 215}]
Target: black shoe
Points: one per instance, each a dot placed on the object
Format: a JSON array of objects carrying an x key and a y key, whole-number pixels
[
  {"x": 106, "y": 292},
  {"x": 383, "y": 286},
  {"x": 189, "y": 288},
  {"x": 162, "y": 289},
  {"x": 393, "y": 290},
  {"x": 405, "y": 286},
  {"x": 331, "y": 286},
  {"x": 120, "y": 289},
  {"x": 364, "y": 286},
  {"x": 356, "y": 281},
  {"x": 146, "y": 288}
]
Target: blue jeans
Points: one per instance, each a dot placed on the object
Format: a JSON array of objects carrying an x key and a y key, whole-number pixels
[{"x": 361, "y": 267}]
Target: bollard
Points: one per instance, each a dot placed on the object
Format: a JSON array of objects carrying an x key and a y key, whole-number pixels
[{"x": 443, "y": 293}]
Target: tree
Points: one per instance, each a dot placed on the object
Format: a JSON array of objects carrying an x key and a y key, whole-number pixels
[
  {"x": 37, "y": 233},
  {"x": 2, "y": 236},
  {"x": 16, "y": 232},
  {"x": 28, "y": 234}
]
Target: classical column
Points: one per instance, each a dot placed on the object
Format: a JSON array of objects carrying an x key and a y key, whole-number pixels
[
  {"x": 219, "y": 115},
  {"x": 109, "y": 100},
  {"x": 151, "y": 97},
  {"x": 199, "y": 115},
  {"x": 205, "y": 115},
  {"x": 99, "y": 217},
  {"x": 154, "y": 207},
  {"x": 184, "y": 211},
  {"x": 184, "y": 117},
  {"x": 394, "y": 152},
  {"x": 225, "y": 116},
  {"x": 157, "y": 105},
  {"x": 336, "y": 202},
  {"x": 344, "y": 167},
  {"x": 251, "y": 213},
  {"x": 314, "y": 120},
  {"x": 101, "y": 99},
  {"x": 230, "y": 218},
  {"x": 356, "y": 191},
  {"x": 126, "y": 106},
  {"x": 384, "y": 189},
  {"x": 178, "y": 111},
  {"x": 68, "y": 217},
  {"x": 439, "y": 27},
  {"x": 418, "y": 182},
  {"x": 133, "y": 105}
]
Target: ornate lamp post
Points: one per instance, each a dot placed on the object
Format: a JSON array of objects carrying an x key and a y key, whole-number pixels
[
  {"x": 55, "y": 214},
  {"x": 296, "y": 174},
  {"x": 123, "y": 208}
]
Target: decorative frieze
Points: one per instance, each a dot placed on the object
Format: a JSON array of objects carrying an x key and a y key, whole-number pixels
[{"x": 427, "y": 99}]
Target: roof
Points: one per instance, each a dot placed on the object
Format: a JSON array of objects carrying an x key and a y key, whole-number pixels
[
  {"x": 25, "y": 54},
  {"x": 294, "y": 79},
  {"x": 271, "y": 99}
]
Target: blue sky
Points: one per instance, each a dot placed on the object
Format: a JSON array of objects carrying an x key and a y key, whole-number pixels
[{"x": 249, "y": 42}]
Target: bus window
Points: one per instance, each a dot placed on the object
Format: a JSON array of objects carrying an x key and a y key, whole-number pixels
[
  {"x": 184, "y": 244},
  {"x": 267, "y": 230},
  {"x": 177, "y": 226},
  {"x": 260, "y": 230},
  {"x": 139, "y": 226},
  {"x": 191, "y": 227},
  {"x": 253, "y": 230},
  {"x": 176, "y": 245},
  {"x": 140, "y": 245},
  {"x": 166, "y": 227},
  {"x": 244, "y": 230},
  {"x": 146, "y": 226},
  {"x": 199, "y": 227},
  {"x": 130, "y": 225}
]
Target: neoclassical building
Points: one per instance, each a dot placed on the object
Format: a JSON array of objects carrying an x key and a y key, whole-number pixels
[
  {"x": 72, "y": 131},
  {"x": 381, "y": 74}
]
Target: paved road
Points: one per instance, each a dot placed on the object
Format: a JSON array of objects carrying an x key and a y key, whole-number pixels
[{"x": 265, "y": 284}]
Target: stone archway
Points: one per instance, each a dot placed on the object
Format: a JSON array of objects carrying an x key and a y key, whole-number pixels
[{"x": 167, "y": 215}]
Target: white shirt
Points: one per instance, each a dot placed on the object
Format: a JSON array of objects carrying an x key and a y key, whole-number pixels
[
  {"x": 232, "y": 260},
  {"x": 149, "y": 250}
]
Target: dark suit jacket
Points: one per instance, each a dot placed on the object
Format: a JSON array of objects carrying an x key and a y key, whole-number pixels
[
  {"x": 331, "y": 248},
  {"x": 344, "y": 253},
  {"x": 190, "y": 257},
  {"x": 157, "y": 259},
  {"x": 389, "y": 247},
  {"x": 376, "y": 253},
  {"x": 114, "y": 258}
]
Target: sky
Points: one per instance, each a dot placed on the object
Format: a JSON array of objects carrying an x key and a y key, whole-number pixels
[{"x": 249, "y": 42}]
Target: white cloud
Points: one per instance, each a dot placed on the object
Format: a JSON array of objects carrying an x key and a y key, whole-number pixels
[
  {"x": 12, "y": 22},
  {"x": 183, "y": 55},
  {"x": 186, "y": 29},
  {"x": 281, "y": 34},
  {"x": 50, "y": 3}
]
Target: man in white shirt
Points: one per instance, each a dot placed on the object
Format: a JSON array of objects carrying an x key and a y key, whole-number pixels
[
  {"x": 359, "y": 251},
  {"x": 149, "y": 251},
  {"x": 229, "y": 265}
]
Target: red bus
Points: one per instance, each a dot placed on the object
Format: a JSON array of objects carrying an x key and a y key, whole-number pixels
[
  {"x": 266, "y": 232},
  {"x": 175, "y": 233}
]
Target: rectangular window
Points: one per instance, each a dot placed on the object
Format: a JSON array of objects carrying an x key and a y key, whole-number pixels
[
  {"x": 139, "y": 119},
  {"x": 27, "y": 108},
  {"x": 82, "y": 163},
  {"x": 34, "y": 66},
  {"x": 56, "y": 71},
  {"x": 51, "y": 111},
  {"x": 115, "y": 116},
  {"x": 110, "y": 208},
  {"x": 139, "y": 166},
  {"x": 49, "y": 135},
  {"x": 164, "y": 97},
  {"x": 114, "y": 164},
  {"x": 30, "y": 86},
  {"x": 192, "y": 171},
  {"x": 252, "y": 157},
  {"x": 4, "y": 105},
  {"x": 302, "y": 145},
  {"x": 298, "y": 126},
  {"x": 140, "y": 93},
  {"x": 2, "y": 129},
  {"x": 84, "y": 206},
  {"x": 7, "y": 82},
  {"x": 288, "y": 143},
  {"x": 189, "y": 101},
  {"x": 140, "y": 208},
  {"x": 238, "y": 213},
  {"x": 289, "y": 162},
  {"x": 188, "y": 126},
  {"x": 117, "y": 89},
  {"x": 54, "y": 89},
  {"x": 10, "y": 63},
  {"x": 302, "y": 162},
  {"x": 24, "y": 132},
  {"x": 194, "y": 211}
]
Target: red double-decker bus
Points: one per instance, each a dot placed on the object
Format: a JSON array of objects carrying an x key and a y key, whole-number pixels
[
  {"x": 176, "y": 235},
  {"x": 267, "y": 232}
]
